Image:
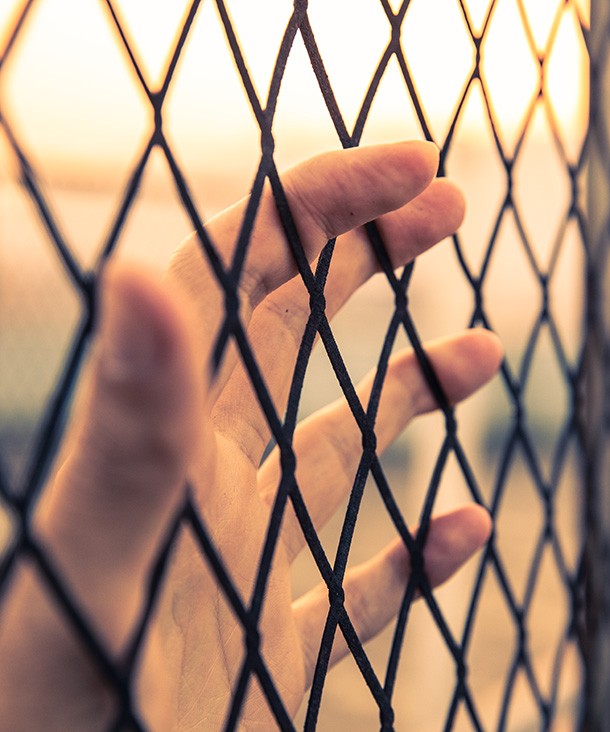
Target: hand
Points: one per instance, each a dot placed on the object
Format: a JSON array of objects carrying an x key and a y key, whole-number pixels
[{"x": 151, "y": 418}]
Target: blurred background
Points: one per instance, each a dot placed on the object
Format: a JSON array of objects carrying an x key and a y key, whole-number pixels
[{"x": 502, "y": 87}]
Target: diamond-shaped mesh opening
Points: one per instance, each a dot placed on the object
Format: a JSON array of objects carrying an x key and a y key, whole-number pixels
[
  {"x": 512, "y": 273},
  {"x": 493, "y": 627},
  {"x": 517, "y": 490},
  {"x": 37, "y": 333},
  {"x": 473, "y": 157},
  {"x": 548, "y": 621},
  {"x": 539, "y": 167},
  {"x": 195, "y": 105},
  {"x": 155, "y": 217}
]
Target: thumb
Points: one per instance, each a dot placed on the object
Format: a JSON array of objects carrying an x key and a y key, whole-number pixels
[{"x": 128, "y": 450}]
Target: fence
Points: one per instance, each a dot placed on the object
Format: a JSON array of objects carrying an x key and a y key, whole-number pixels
[
  {"x": 595, "y": 643},
  {"x": 502, "y": 647}
]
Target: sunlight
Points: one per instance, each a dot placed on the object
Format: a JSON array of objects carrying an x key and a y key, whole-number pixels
[{"x": 73, "y": 96}]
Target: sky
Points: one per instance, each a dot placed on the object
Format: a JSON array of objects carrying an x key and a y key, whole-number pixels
[{"x": 69, "y": 89}]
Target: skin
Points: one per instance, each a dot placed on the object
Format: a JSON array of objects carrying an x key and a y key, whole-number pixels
[{"x": 150, "y": 418}]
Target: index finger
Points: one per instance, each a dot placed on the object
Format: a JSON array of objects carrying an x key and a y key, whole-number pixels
[{"x": 327, "y": 196}]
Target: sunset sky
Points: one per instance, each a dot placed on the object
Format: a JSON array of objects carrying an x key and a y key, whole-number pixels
[{"x": 70, "y": 92}]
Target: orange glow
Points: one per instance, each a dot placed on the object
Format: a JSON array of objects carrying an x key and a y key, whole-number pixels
[{"x": 69, "y": 89}]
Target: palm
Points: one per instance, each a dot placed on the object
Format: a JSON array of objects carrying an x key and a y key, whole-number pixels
[{"x": 201, "y": 626}]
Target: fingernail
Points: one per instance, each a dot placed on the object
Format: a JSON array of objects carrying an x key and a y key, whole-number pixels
[{"x": 132, "y": 346}]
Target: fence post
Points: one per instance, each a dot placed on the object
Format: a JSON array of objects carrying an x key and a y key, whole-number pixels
[{"x": 596, "y": 418}]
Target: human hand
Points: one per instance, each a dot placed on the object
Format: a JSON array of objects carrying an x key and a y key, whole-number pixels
[{"x": 152, "y": 418}]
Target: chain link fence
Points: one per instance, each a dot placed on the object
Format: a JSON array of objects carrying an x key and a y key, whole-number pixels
[
  {"x": 595, "y": 642},
  {"x": 500, "y": 87}
]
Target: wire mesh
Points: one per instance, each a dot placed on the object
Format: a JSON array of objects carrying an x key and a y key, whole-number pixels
[
  {"x": 536, "y": 467},
  {"x": 596, "y": 641}
]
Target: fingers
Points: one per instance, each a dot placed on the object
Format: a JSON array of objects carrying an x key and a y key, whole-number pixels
[
  {"x": 329, "y": 444},
  {"x": 337, "y": 192},
  {"x": 375, "y": 590},
  {"x": 128, "y": 451},
  {"x": 279, "y": 321},
  {"x": 328, "y": 196}
]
